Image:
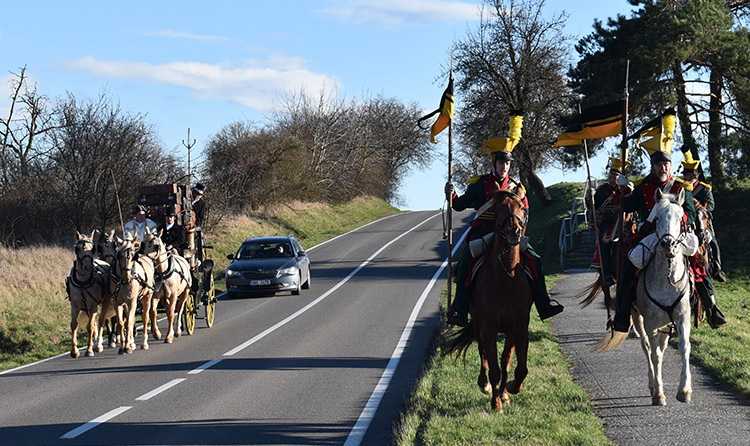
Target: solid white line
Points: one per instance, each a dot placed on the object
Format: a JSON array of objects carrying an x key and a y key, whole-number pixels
[
  {"x": 204, "y": 367},
  {"x": 347, "y": 233},
  {"x": 160, "y": 389},
  {"x": 368, "y": 413},
  {"x": 323, "y": 296},
  {"x": 95, "y": 422}
]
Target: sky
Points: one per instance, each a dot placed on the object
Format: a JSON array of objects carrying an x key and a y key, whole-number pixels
[{"x": 203, "y": 65}]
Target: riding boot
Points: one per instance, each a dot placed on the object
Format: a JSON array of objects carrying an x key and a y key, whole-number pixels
[
  {"x": 624, "y": 298},
  {"x": 544, "y": 305},
  {"x": 716, "y": 271},
  {"x": 714, "y": 316},
  {"x": 459, "y": 312}
]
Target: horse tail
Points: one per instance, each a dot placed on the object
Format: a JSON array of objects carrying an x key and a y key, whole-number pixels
[
  {"x": 460, "y": 341},
  {"x": 613, "y": 340},
  {"x": 590, "y": 293}
]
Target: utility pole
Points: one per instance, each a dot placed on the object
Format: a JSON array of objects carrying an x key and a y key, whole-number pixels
[{"x": 189, "y": 146}]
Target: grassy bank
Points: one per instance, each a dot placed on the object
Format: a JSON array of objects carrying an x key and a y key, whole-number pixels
[
  {"x": 726, "y": 351},
  {"x": 34, "y": 311}
]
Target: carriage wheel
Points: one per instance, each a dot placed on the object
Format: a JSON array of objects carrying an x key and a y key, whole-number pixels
[
  {"x": 210, "y": 296},
  {"x": 190, "y": 314}
]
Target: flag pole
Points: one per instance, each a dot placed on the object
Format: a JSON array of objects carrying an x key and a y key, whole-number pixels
[
  {"x": 623, "y": 156},
  {"x": 450, "y": 202},
  {"x": 593, "y": 206}
]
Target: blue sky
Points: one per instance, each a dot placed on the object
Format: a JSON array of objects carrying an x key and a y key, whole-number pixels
[{"x": 204, "y": 65}]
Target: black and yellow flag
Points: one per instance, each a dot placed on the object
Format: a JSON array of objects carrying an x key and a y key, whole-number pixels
[
  {"x": 593, "y": 122},
  {"x": 445, "y": 110}
]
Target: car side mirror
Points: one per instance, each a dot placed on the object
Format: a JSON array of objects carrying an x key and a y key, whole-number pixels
[
  {"x": 230, "y": 256},
  {"x": 301, "y": 253}
]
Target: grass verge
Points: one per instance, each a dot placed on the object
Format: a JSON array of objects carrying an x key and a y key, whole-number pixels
[{"x": 34, "y": 311}]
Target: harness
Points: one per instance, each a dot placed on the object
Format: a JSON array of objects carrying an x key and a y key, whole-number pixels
[
  {"x": 160, "y": 277},
  {"x": 119, "y": 282}
]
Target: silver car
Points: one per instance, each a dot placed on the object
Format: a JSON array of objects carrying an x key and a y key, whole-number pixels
[{"x": 266, "y": 265}]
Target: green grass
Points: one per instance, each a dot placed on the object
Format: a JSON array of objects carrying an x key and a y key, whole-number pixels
[
  {"x": 35, "y": 315},
  {"x": 448, "y": 408},
  {"x": 725, "y": 352}
]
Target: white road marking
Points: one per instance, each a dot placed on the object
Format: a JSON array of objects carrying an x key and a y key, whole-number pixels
[
  {"x": 293, "y": 316},
  {"x": 368, "y": 413},
  {"x": 160, "y": 389},
  {"x": 203, "y": 367},
  {"x": 95, "y": 422}
]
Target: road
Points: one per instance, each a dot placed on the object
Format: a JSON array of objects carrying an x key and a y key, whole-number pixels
[{"x": 331, "y": 366}]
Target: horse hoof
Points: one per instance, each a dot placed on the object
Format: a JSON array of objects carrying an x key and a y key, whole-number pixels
[
  {"x": 89, "y": 353},
  {"x": 74, "y": 354},
  {"x": 178, "y": 334},
  {"x": 684, "y": 397},
  {"x": 658, "y": 401},
  {"x": 505, "y": 398},
  {"x": 168, "y": 340},
  {"x": 487, "y": 388},
  {"x": 112, "y": 345},
  {"x": 99, "y": 349},
  {"x": 121, "y": 351},
  {"x": 511, "y": 387},
  {"x": 157, "y": 335},
  {"x": 144, "y": 346}
]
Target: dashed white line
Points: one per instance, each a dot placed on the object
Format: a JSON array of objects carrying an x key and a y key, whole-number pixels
[
  {"x": 95, "y": 422},
  {"x": 160, "y": 389}
]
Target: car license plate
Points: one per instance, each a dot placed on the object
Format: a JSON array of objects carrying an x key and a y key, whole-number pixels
[{"x": 260, "y": 282}]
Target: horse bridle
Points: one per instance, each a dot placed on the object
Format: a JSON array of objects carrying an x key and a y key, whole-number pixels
[
  {"x": 117, "y": 279},
  {"x": 501, "y": 227}
]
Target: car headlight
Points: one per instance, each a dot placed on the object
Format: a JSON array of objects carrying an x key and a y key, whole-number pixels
[
  {"x": 233, "y": 273},
  {"x": 292, "y": 270}
]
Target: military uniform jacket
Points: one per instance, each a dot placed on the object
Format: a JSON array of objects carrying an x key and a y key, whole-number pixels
[
  {"x": 702, "y": 193},
  {"x": 643, "y": 198},
  {"x": 480, "y": 191},
  {"x": 199, "y": 207},
  {"x": 606, "y": 201}
]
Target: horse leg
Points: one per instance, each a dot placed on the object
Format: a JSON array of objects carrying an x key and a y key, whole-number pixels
[
  {"x": 658, "y": 344},
  {"x": 154, "y": 326},
  {"x": 169, "y": 305},
  {"x": 519, "y": 375},
  {"x": 92, "y": 331},
  {"x": 685, "y": 391},
  {"x": 505, "y": 361},
  {"x": 482, "y": 381},
  {"x": 127, "y": 341},
  {"x": 646, "y": 347},
  {"x": 490, "y": 348},
  {"x": 73, "y": 330},
  {"x": 145, "y": 311}
]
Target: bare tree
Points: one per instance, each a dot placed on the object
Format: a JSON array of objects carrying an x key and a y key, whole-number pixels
[{"x": 514, "y": 60}]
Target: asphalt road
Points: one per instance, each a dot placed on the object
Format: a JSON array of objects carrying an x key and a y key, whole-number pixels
[
  {"x": 331, "y": 366},
  {"x": 617, "y": 383}
]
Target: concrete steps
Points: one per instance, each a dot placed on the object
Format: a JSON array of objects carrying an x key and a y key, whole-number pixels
[{"x": 584, "y": 245}]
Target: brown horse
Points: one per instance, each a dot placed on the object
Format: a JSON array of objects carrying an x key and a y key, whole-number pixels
[
  {"x": 131, "y": 279},
  {"x": 87, "y": 288},
  {"x": 501, "y": 304},
  {"x": 106, "y": 249},
  {"x": 172, "y": 285},
  {"x": 618, "y": 247}
]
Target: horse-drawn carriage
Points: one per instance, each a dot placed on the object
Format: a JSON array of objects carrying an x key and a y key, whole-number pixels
[{"x": 164, "y": 199}]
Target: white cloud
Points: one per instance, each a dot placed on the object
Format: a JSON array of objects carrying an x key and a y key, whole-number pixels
[
  {"x": 184, "y": 35},
  {"x": 402, "y": 13},
  {"x": 255, "y": 84}
]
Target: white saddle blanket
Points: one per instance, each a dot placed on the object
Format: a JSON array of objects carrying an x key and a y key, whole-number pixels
[{"x": 641, "y": 253}]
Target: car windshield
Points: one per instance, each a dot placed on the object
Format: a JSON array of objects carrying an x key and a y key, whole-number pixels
[{"x": 255, "y": 250}]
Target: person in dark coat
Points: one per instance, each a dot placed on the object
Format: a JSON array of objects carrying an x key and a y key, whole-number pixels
[
  {"x": 199, "y": 205},
  {"x": 173, "y": 235}
]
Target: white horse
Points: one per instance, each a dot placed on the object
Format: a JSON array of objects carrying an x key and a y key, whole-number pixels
[
  {"x": 87, "y": 287},
  {"x": 172, "y": 284},
  {"x": 663, "y": 294}
]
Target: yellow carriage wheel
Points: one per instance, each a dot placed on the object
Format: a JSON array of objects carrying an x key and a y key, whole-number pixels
[
  {"x": 210, "y": 302},
  {"x": 190, "y": 314}
]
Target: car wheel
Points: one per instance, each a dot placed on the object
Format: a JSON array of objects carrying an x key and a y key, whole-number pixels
[
  {"x": 296, "y": 291},
  {"x": 306, "y": 285}
]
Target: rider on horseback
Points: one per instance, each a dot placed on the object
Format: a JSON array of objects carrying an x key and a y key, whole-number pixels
[
  {"x": 606, "y": 200},
  {"x": 641, "y": 199},
  {"x": 479, "y": 195},
  {"x": 703, "y": 283}
]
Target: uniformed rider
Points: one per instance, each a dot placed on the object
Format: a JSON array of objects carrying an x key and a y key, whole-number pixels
[
  {"x": 641, "y": 198},
  {"x": 606, "y": 203},
  {"x": 703, "y": 283},
  {"x": 477, "y": 196}
]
